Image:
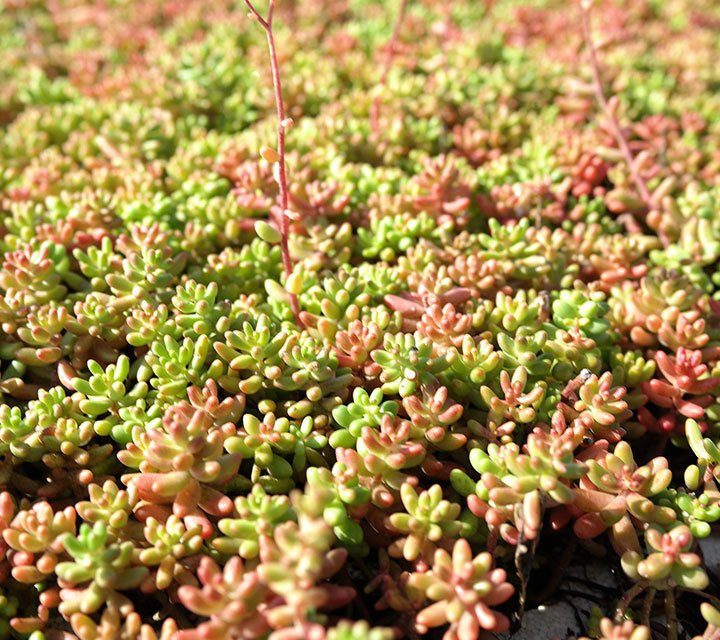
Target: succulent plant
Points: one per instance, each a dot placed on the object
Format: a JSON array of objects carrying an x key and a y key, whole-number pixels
[
  {"x": 177, "y": 365},
  {"x": 345, "y": 496},
  {"x": 106, "y": 393},
  {"x": 183, "y": 462},
  {"x": 600, "y": 407},
  {"x": 407, "y": 362},
  {"x": 514, "y": 485},
  {"x": 706, "y": 471},
  {"x": 354, "y": 346},
  {"x": 109, "y": 505},
  {"x": 468, "y": 367},
  {"x": 114, "y": 623},
  {"x": 104, "y": 568},
  {"x": 512, "y": 405},
  {"x": 697, "y": 510},
  {"x": 147, "y": 270},
  {"x": 440, "y": 191},
  {"x": 615, "y": 489},
  {"x": 586, "y": 311},
  {"x": 230, "y": 598},
  {"x": 432, "y": 416},
  {"x": 392, "y": 235},
  {"x": 257, "y": 515},
  {"x": 669, "y": 561},
  {"x": 428, "y": 520},
  {"x": 38, "y": 270},
  {"x": 170, "y": 543},
  {"x": 710, "y": 614},
  {"x": 296, "y": 560},
  {"x": 354, "y": 296},
  {"x": 366, "y": 409},
  {"x": 686, "y": 386},
  {"x": 626, "y": 630},
  {"x": 463, "y": 588},
  {"x": 268, "y": 442},
  {"x": 389, "y": 449},
  {"x": 334, "y": 303},
  {"x": 346, "y": 630},
  {"x": 37, "y": 536}
]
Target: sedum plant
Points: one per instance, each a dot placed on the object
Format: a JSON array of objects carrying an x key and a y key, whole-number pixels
[
  {"x": 105, "y": 570},
  {"x": 463, "y": 590},
  {"x": 343, "y": 319}
]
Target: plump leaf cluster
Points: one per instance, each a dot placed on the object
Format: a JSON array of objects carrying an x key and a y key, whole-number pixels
[{"x": 505, "y": 357}]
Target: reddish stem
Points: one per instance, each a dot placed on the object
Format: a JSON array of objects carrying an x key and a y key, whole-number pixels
[
  {"x": 391, "y": 46},
  {"x": 446, "y": 31},
  {"x": 283, "y": 122},
  {"x": 602, "y": 100}
]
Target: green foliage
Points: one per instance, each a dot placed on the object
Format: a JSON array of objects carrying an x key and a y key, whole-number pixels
[{"x": 503, "y": 346}]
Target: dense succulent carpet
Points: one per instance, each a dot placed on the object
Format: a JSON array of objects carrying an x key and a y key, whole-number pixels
[{"x": 506, "y": 355}]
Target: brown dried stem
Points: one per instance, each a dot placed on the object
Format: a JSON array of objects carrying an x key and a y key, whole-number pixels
[{"x": 283, "y": 124}]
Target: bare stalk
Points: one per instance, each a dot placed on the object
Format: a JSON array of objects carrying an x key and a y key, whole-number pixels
[
  {"x": 604, "y": 104},
  {"x": 446, "y": 31},
  {"x": 283, "y": 124},
  {"x": 391, "y": 46},
  {"x": 671, "y": 615},
  {"x": 715, "y": 601},
  {"x": 647, "y": 607},
  {"x": 627, "y": 600}
]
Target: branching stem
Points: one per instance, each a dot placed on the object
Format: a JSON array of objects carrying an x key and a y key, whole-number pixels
[
  {"x": 713, "y": 599},
  {"x": 605, "y": 105},
  {"x": 283, "y": 123},
  {"x": 627, "y": 600}
]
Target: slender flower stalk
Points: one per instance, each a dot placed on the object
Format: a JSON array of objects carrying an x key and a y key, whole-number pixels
[
  {"x": 283, "y": 124},
  {"x": 602, "y": 100},
  {"x": 387, "y": 65},
  {"x": 447, "y": 29}
]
